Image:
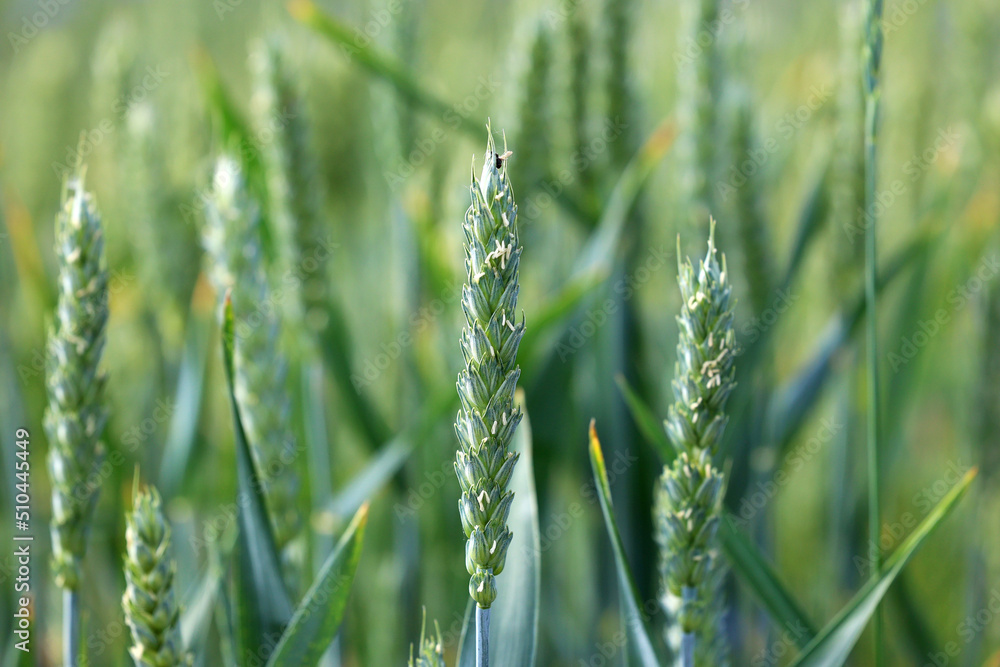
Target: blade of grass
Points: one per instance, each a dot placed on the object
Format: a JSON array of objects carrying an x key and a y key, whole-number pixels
[
  {"x": 599, "y": 254},
  {"x": 317, "y": 618},
  {"x": 199, "y": 606},
  {"x": 549, "y": 322},
  {"x": 810, "y": 219},
  {"x": 335, "y": 344},
  {"x": 385, "y": 67},
  {"x": 183, "y": 430},
  {"x": 312, "y": 398},
  {"x": 792, "y": 402},
  {"x": 639, "y": 646},
  {"x": 833, "y": 645},
  {"x": 380, "y": 470},
  {"x": 379, "y": 64},
  {"x": 650, "y": 427},
  {"x": 757, "y": 573}
]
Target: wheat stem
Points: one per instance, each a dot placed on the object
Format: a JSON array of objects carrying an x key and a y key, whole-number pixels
[
  {"x": 71, "y": 628},
  {"x": 873, "y": 93},
  {"x": 698, "y": 85},
  {"x": 482, "y": 637}
]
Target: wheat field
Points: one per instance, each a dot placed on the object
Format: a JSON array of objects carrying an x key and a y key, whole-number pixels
[{"x": 567, "y": 333}]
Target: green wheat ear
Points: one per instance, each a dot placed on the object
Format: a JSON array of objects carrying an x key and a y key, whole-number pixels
[
  {"x": 431, "y": 650},
  {"x": 150, "y": 604},
  {"x": 746, "y": 204},
  {"x": 698, "y": 89},
  {"x": 689, "y": 494},
  {"x": 294, "y": 192},
  {"x": 486, "y": 422},
  {"x": 232, "y": 242},
  {"x": 75, "y": 418},
  {"x": 535, "y": 134}
]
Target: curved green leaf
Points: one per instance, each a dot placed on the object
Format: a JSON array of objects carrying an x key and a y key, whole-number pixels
[
  {"x": 376, "y": 473},
  {"x": 317, "y": 618},
  {"x": 792, "y": 402},
  {"x": 379, "y": 64},
  {"x": 639, "y": 646},
  {"x": 834, "y": 644},
  {"x": 335, "y": 343},
  {"x": 649, "y": 425},
  {"x": 747, "y": 561},
  {"x": 599, "y": 254},
  {"x": 549, "y": 323},
  {"x": 182, "y": 432}
]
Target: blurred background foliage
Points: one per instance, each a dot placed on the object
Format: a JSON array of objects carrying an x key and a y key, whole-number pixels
[{"x": 580, "y": 88}]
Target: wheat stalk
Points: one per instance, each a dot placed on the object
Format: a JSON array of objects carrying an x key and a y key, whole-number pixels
[
  {"x": 580, "y": 46},
  {"x": 872, "y": 57},
  {"x": 488, "y": 417},
  {"x": 150, "y": 604},
  {"x": 231, "y": 239},
  {"x": 688, "y": 497},
  {"x": 847, "y": 192}
]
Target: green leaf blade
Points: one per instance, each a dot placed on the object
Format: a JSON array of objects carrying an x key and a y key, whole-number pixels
[
  {"x": 747, "y": 561},
  {"x": 639, "y": 646},
  {"x": 833, "y": 646},
  {"x": 316, "y": 620}
]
